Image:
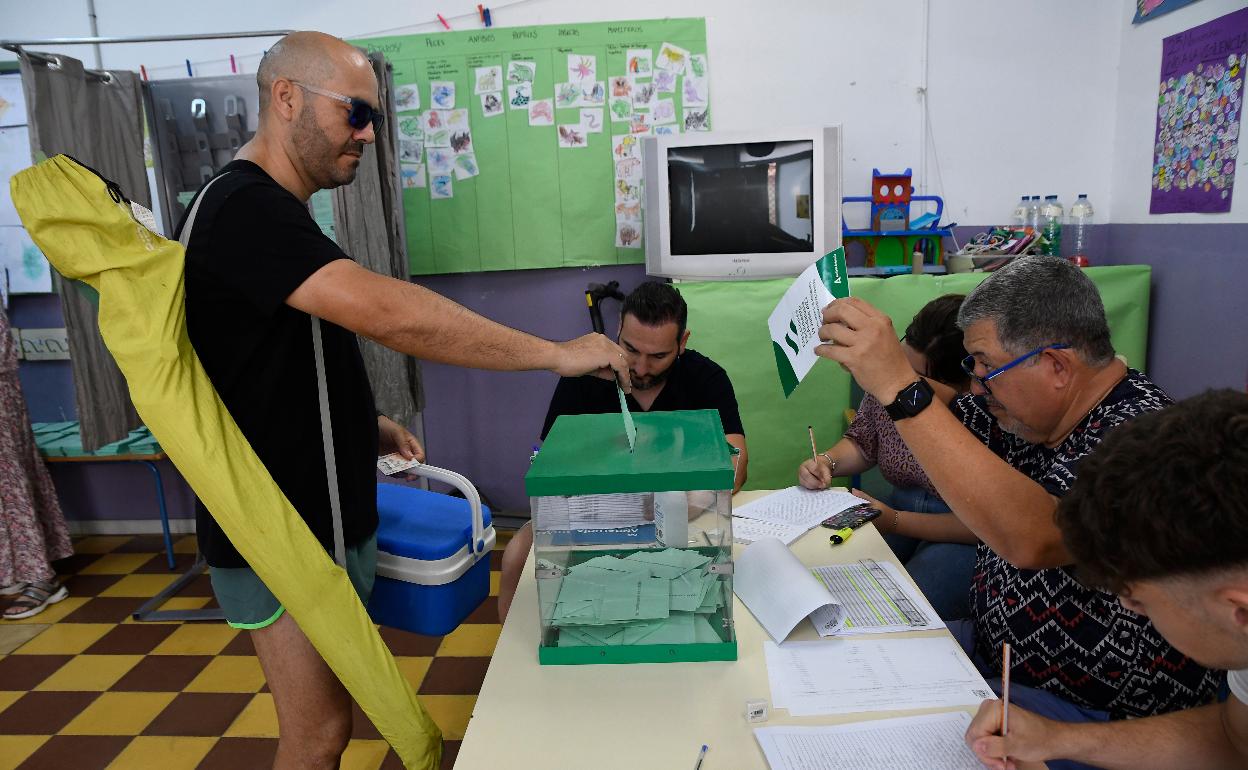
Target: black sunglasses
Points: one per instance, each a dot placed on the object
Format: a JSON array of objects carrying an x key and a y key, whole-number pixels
[{"x": 359, "y": 112}]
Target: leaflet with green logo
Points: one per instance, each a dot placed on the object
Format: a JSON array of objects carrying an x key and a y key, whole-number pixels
[{"x": 795, "y": 322}]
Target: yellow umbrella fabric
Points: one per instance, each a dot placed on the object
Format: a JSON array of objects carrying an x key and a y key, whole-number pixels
[{"x": 88, "y": 232}]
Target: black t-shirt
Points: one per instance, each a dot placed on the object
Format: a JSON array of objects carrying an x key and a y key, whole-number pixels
[
  {"x": 254, "y": 243},
  {"x": 695, "y": 382}
]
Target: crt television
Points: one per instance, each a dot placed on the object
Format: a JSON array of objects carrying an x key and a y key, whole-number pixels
[{"x": 740, "y": 205}]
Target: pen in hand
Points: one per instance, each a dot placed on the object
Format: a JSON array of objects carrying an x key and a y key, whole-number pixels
[{"x": 814, "y": 452}]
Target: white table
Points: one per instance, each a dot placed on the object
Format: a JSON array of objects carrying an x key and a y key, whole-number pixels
[{"x": 641, "y": 715}]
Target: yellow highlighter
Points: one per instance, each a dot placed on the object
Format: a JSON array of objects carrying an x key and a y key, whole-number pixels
[{"x": 840, "y": 535}]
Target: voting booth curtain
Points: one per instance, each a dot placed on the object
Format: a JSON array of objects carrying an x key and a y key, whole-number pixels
[
  {"x": 368, "y": 225},
  {"x": 99, "y": 121},
  {"x": 728, "y": 321}
]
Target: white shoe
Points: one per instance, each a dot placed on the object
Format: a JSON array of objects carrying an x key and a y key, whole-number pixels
[
  {"x": 16, "y": 588},
  {"x": 35, "y": 598}
]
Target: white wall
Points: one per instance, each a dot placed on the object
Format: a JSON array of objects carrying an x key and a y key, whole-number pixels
[
  {"x": 1008, "y": 116},
  {"x": 1139, "y": 71}
]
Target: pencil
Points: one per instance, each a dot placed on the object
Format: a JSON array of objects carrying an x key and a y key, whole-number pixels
[
  {"x": 814, "y": 452},
  {"x": 1005, "y": 691}
]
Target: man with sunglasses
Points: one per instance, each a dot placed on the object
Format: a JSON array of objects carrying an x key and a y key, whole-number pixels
[
  {"x": 257, "y": 270},
  {"x": 1046, "y": 388}
]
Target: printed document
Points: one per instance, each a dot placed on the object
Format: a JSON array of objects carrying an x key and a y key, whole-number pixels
[{"x": 928, "y": 742}]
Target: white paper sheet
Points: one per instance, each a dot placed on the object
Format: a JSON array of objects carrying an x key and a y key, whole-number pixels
[
  {"x": 848, "y": 675},
  {"x": 928, "y": 742},
  {"x": 609, "y": 511},
  {"x": 749, "y": 530},
  {"x": 798, "y": 506},
  {"x": 778, "y": 588},
  {"x": 875, "y": 603}
]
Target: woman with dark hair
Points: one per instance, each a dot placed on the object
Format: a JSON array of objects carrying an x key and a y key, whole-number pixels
[{"x": 937, "y": 549}]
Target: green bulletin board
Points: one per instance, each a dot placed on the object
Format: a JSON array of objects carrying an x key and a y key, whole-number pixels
[{"x": 543, "y": 195}]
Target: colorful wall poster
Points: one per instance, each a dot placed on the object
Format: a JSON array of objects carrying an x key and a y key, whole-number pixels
[
  {"x": 1199, "y": 109},
  {"x": 519, "y": 138},
  {"x": 1147, "y": 10}
]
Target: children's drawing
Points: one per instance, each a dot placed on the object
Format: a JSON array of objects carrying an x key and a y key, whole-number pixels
[
  {"x": 638, "y": 62},
  {"x": 625, "y": 146},
  {"x": 640, "y": 123},
  {"x": 672, "y": 57},
  {"x": 643, "y": 95},
  {"x": 432, "y": 120},
  {"x": 410, "y": 150},
  {"x": 591, "y": 121},
  {"x": 407, "y": 98},
  {"x": 626, "y": 190},
  {"x": 621, "y": 85},
  {"x": 593, "y": 94},
  {"x": 664, "y": 81},
  {"x": 542, "y": 112},
  {"x": 664, "y": 112},
  {"x": 698, "y": 120},
  {"x": 491, "y": 105},
  {"x": 410, "y": 127},
  {"x": 567, "y": 94},
  {"x": 628, "y": 210},
  {"x": 521, "y": 71},
  {"x": 694, "y": 92},
  {"x": 440, "y": 186},
  {"x": 412, "y": 175},
  {"x": 582, "y": 67},
  {"x": 621, "y": 110},
  {"x": 627, "y": 234},
  {"x": 489, "y": 79},
  {"x": 466, "y": 166},
  {"x": 669, "y": 130},
  {"x": 461, "y": 142},
  {"x": 628, "y": 169},
  {"x": 571, "y": 136},
  {"x": 457, "y": 120},
  {"x": 519, "y": 95},
  {"x": 439, "y": 138},
  {"x": 441, "y": 160},
  {"x": 442, "y": 94},
  {"x": 698, "y": 67}
]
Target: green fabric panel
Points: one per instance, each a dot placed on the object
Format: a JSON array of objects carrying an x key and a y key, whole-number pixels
[
  {"x": 533, "y": 205},
  {"x": 728, "y": 320}
]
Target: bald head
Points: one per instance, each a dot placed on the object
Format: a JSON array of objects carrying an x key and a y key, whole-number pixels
[{"x": 309, "y": 57}]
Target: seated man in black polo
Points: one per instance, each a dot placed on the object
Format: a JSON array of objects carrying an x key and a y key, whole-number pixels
[{"x": 666, "y": 377}]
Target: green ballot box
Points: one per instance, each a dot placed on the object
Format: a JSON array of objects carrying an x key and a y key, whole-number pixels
[{"x": 633, "y": 549}]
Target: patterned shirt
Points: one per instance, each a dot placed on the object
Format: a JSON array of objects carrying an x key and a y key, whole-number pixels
[
  {"x": 1073, "y": 641},
  {"x": 876, "y": 436}
]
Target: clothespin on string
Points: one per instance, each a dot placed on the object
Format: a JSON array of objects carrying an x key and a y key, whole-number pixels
[
  {"x": 189, "y": 74},
  {"x": 442, "y": 19},
  {"x": 489, "y": 20},
  {"x": 481, "y": 14},
  {"x": 233, "y": 66},
  {"x": 143, "y": 72}
]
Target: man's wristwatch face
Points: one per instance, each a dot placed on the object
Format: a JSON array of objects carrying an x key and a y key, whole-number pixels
[{"x": 911, "y": 401}]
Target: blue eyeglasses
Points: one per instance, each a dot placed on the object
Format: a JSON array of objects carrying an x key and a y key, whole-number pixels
[
  {"x": 359, "y": 112},
  {"x": 969, "y": 363}
]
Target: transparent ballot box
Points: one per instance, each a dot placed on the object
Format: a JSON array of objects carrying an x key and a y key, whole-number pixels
[{"x": 633, "y": 549}]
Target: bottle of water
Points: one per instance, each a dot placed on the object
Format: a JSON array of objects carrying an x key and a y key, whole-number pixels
[
  {"x": 1051, "y": 217},
  {"x": 1019, "y": 217},
  {"x": 1081, "y": 229},
  {"x": 1033, "y": 213}
]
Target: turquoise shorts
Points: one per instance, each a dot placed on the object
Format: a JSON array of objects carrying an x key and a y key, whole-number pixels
[{"x": 248, "y": 602}]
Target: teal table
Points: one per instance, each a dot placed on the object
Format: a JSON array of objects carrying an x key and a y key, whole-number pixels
[{"x": 728, "y": 320}]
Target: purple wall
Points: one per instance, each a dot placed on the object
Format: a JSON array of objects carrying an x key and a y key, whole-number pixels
[{"x": 483, "y": 424}]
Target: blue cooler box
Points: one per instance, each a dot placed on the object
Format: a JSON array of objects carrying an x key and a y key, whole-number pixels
[{"x": 431, "y": 570}]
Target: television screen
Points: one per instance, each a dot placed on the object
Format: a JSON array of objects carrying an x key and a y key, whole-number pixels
[{"x": 747, "y": 198}]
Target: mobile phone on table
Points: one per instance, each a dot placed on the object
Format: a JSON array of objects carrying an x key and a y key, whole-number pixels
[{"x": 852, "y": 517}]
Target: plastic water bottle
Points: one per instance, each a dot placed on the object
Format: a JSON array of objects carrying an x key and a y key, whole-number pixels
[
  {"x": 1033, "y": 213},
  {"x": 1081, "y": 229},
  {"x": 1051, "y": 214},
  {"x": 1019, "y": 217}
]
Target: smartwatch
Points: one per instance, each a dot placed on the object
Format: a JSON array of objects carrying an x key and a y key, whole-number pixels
[{"x": 913, "y": 399}]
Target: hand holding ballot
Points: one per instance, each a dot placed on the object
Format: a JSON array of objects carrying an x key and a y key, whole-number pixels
[
  {"x": 592, "y": 354},
  {"x": 865, "y": 343}
]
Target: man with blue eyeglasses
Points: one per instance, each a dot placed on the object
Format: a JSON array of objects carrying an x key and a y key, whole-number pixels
[{"x": 1046, "y": 388}]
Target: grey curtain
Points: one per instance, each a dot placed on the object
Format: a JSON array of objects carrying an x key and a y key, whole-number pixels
[
  {"x": 99, "y": 122},
  {"x": 368, "y": 223}
]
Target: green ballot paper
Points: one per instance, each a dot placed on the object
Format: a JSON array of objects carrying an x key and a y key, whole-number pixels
[
  {"x": 795, "y": 322},
  {"x": 630, "y": 429}
]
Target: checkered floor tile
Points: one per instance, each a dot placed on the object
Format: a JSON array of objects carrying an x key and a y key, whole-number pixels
[{"x": 84, "y": 686}]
